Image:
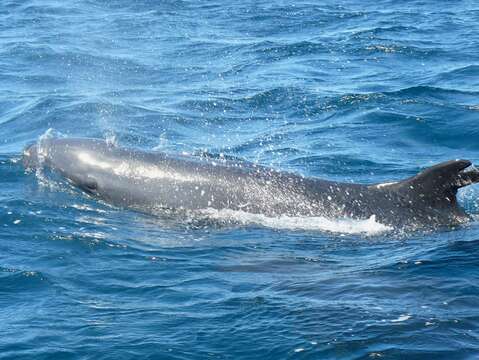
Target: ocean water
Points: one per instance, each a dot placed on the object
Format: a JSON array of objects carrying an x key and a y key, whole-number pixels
[{"x": 345, "y": 90}]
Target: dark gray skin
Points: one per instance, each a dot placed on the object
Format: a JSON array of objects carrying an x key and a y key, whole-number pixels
[{"x": 152, "y": 182}]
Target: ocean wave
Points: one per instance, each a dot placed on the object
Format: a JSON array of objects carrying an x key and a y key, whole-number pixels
[
  {"x": 398, "y": 49},
  {"x": 469, "y": 70},
  {"x": 271, "y": 52},
  {"x": 425, "y": 90},
  {"x": 17, "y": 281}
]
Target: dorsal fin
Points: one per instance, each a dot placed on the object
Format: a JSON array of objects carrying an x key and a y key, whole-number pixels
[
  {"x": 447, "y": 174},
  {"x": 439, "y": 183}
]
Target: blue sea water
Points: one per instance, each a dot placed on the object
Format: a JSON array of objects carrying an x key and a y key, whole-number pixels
[{"x": 351, "y": 90}]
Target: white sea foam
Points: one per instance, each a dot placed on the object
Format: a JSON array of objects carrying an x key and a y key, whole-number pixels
[
  {"x": 309, "y": 223},
  {"x": 401, "y": 318}
]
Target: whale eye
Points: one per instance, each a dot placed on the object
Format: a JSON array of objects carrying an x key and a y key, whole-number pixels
[{"x": 90, "y": 185}]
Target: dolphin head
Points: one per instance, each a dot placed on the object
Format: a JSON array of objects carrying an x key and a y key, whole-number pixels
[{"x": 80, "y": 161}]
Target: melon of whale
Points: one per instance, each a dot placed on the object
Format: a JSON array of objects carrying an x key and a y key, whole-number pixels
[{"x": 153, "y": 181}]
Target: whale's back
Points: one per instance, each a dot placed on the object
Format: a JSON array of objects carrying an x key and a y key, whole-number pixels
[{"x": 152, "y": 181}]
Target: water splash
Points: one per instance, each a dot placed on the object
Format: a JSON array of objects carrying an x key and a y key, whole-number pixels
[
  {"x": 309, "y": 223},
  {"x": 42, "y": 154}
]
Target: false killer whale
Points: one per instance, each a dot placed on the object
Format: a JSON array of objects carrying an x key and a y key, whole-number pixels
[{"x": 152, "y": 181}]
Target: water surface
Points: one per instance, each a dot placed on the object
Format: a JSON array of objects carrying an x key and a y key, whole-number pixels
[{"x": 341, "y": 90}]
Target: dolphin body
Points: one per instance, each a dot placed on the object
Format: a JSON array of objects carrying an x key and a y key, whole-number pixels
[{"x": 154, "y": 181}]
